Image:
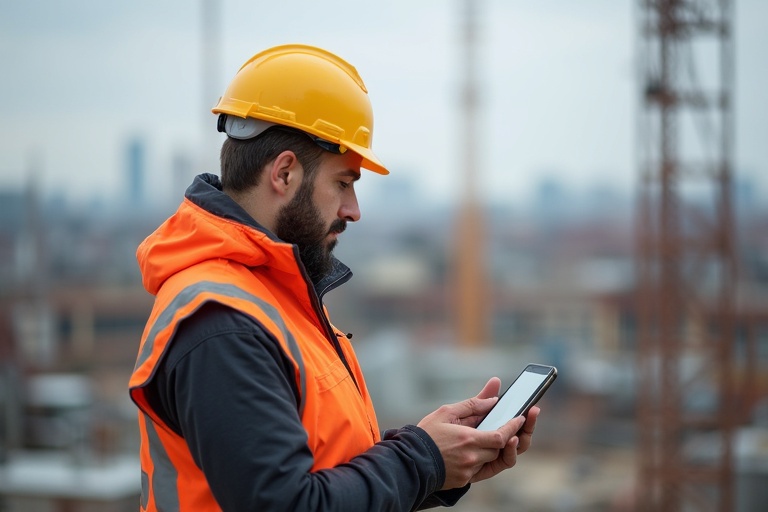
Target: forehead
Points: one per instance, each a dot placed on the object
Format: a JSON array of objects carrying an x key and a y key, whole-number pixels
[{"x": 347, "y": 164}]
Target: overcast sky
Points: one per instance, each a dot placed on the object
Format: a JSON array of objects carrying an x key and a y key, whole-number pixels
[{"x": 81, "y": 77}]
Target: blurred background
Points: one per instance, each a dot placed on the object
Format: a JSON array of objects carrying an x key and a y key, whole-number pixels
[{"x": 581, "y": 184}]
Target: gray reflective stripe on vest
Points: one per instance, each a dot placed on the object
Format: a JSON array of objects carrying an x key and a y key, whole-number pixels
[
  {"x": 189, "y": 293},
  {"x": 164, "y": 490}
]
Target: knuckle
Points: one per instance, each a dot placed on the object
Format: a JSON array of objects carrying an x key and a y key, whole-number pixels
[
  {"x": 471, "y": 459},
  {"x": 474, "y": 459},
  {"x": 466, "y": 475},
  {"x": 498, "y": 440},
  {"x": 464, "y": 437}
]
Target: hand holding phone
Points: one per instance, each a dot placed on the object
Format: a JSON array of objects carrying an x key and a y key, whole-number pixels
[{"x": 520, "y": 396}]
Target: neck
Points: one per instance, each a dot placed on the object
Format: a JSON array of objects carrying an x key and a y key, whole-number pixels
[{"x": 256, "y": 206}]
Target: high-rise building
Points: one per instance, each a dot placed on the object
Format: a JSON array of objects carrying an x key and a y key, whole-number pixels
[{"x": 135, "y": 170}]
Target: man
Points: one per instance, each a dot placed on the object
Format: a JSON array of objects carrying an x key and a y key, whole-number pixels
[{"x": 249, "y": 398}]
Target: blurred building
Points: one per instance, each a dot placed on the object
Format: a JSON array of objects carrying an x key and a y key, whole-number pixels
[
  {"x": 71, "y": 310},
  {"x": 563, "y": 293},
  {"x": 135, "y": 171}
]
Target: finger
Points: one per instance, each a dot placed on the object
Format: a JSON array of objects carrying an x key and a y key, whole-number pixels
[
  {"x": 491, "y": 388},
  {"x": 526, "y": 432},
  {"x": 505, "y": 459},
  {"x": 511, "y": 428},
  {"x": 467, "y": 411},
  {"x": 530, "y": 420},
  {"x": 499, "y": 438},
  {"x": 479, "y": 405},
  {"x": 509, "y": 453}
]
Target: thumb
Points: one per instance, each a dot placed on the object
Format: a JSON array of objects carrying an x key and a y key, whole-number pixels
[
  {"x": 491, "y": 388},
  {"x": 512, "y": 427},
  {"x": 471, "y": 409}
]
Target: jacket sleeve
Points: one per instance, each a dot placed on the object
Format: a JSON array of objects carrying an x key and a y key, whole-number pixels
[{"x": 227, "y": 388}]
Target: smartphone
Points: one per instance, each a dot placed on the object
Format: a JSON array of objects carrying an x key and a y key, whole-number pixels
[{"x": 520, "y": 396}]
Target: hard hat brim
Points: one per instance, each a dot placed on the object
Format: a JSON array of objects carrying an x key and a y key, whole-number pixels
[{"x": 370, "y": 161}]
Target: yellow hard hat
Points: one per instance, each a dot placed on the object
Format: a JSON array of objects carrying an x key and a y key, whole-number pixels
[{"x": 309, "y": 89}]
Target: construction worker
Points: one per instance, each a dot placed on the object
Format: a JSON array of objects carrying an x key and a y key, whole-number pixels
[{"x": 249, "y": 398}]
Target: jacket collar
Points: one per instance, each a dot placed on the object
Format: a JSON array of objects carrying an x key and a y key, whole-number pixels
[{"x": 206, "y": 192}]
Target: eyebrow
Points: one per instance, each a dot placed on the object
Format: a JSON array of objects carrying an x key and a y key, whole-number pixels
[{"x": 351, "y": 173}]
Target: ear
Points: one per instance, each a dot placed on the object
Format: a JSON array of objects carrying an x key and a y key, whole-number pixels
[{"x": 284, "y": 173}]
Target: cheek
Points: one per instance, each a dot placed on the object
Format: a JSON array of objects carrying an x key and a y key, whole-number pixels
[{"x": 328, "y": 203}]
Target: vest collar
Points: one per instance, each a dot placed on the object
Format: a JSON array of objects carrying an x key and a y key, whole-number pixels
[{"x": 206, "y": 192}]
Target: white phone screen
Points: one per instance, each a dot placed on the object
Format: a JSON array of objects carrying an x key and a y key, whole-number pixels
[{"x": 512, "y": 403}]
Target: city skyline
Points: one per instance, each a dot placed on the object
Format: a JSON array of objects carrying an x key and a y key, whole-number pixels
[{"x": 558, "y": 83}]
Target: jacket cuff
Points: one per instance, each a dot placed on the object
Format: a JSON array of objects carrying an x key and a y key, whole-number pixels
[
  {"x": 445, "y": 498},
  {"x": 434, "y": 452}
]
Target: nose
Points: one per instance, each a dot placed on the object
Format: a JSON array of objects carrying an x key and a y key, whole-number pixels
[{"x": 350, "y": 210}]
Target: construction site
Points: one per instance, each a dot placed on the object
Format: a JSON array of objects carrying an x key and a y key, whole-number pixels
[{"x": 652, "y": 303}]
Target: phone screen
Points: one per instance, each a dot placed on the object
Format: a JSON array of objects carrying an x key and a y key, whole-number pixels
[{"x": 520, "y": 396}]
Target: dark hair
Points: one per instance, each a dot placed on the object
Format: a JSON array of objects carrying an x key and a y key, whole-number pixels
[{"x": 242, "y": 161}]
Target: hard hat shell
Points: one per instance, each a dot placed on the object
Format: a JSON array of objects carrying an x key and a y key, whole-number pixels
[{"x": 307, "y": 88}]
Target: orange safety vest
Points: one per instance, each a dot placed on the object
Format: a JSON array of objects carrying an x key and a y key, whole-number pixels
[{"x": 336, "y": 411}]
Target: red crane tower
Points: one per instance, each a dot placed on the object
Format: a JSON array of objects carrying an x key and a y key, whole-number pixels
[{"x": 686, "y": 263}]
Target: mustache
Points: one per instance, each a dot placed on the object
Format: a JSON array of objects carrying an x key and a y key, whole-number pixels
[{"x": 338, "y": 226}]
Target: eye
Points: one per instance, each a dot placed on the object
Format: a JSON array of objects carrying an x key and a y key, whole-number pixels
[{"x": 344, "y": 184}]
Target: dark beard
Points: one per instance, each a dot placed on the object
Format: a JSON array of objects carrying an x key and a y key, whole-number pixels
[{"x": 299, "y": 223}]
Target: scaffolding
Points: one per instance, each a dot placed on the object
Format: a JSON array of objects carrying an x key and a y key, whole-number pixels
[{"x": 687, "y": 407}]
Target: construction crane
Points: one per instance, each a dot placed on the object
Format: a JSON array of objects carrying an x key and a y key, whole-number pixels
[
  {"x": 686, "y": 266},
  {"x": 471, "y": 287}
]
